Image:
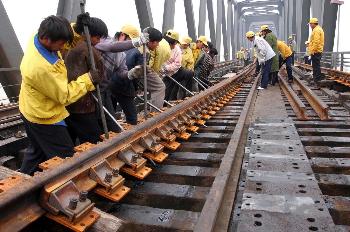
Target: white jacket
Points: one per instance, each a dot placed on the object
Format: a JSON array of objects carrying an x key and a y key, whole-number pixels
[{"x": 263, "y": 50}]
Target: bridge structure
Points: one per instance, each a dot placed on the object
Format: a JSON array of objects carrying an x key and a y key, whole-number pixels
[{"x": 233, "y": 19}]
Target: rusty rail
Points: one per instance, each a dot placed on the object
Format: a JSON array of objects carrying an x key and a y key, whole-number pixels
[
  {"x": 340, "y": 77},
  {"x": 295, "y": 102},
  {"x": 208, "y": 217},
  {"x": 319, "y": 106},
  {"x": 70, "y": 168}
]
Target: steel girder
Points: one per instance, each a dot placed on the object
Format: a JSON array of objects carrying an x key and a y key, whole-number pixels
[
  {"x": 168, "y": 15},
  {"x": 10, "y": 56},
  {"x": 144, "y": 13},
  {"x": 69, "y": 9},
  {"x": 190, "y": 19},
  {"x": 202, "y": 17},
  {"x": 211, "y": 21}
]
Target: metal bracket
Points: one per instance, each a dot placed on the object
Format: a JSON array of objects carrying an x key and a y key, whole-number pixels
[
  {"x": 67, "y": 200},
  {"x": 108, "y": 177},
  {"x": 137, "y": 164},
  {"x": 152, "y": 143},
  {"x": 77, "y": 210}
]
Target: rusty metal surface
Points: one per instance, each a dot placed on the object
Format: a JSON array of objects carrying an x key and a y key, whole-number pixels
[
  {"x": 320, "y": 107},
  {"x": 53, "y": 178},
  {"x": 297, "y": 105},
  {"x": 207, "y": 219},
  {"x": 280, "y": 190}
]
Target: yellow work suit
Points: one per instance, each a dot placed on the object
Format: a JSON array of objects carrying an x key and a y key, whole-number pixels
[
  {"x": 187, "y": 59},
  {"x": 195, "y": 52},
  {"x": 316, "y": 40},
  {"x": 284, "y": 50},
  {"x": 159, "y": 56},
  {"x": 45, "y": 90}
]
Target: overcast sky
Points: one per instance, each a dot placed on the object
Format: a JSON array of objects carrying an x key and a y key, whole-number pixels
[{"x": 26, "y": 16}]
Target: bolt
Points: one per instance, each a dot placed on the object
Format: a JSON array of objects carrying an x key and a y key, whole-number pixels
[
  {"x": 108, "y": 177},
  {"x": 83, "y": 196},
  {"x": 134, "y": 158},
  {"x": 73, "y": 203},
  {"x": 115, "y": 172}
]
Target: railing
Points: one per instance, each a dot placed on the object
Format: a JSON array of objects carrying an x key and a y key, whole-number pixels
[{"x": 334, "y": 60}]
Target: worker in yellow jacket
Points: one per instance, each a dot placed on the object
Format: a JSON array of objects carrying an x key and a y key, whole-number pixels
[
  {"x": 45, "y": 93},
  {"x": 187, "y": 55},
  {"x": 285, "y": 57},
  {"x": 201, "y": 42},
  {"x": 316, "y": 44}
]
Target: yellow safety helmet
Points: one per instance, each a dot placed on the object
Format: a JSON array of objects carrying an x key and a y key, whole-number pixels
[
  {"x": 264, "y": 27},
  {"x": 185, "y": 40},
  {"x": 130, "y": 30},
  {"x": 250, "y": 34},
  {"x": 173, "y": 34},
  {"x": 203, "y": 39},
  {"x": 313, "y": 20}
]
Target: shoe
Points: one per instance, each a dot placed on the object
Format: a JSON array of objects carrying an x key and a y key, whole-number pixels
[{"x": 260, "y": 88}]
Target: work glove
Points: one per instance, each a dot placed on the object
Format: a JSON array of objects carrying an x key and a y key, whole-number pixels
[
  {"x": 143, "y": 39},
  {"x": 95, "y": 77},
  {"x": 135, "y": 72}
]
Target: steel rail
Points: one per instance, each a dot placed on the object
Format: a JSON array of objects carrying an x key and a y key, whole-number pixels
[
  {"x": 319, "y": 106},
  {"x": 70, "y": 167},
  {"x": 209, "y": 214},
  {"x": 295, "y": 102}
]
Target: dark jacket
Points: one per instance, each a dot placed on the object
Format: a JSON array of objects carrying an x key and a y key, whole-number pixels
[
  {"x": 77, "y": 63},
  {"x": 272, "y": 40}
]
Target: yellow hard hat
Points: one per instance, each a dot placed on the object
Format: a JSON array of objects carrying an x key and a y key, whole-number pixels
[
  {"x": 313, "y": 20},
  {"x": 264, "y": 27},
  {"x": 250, "y": 34},
  {"x": 185, "y": 40},
  {"x": 173, "y": 34},
  {"x": 130, "y": 30},
  {"x": 203, "y": 39}
]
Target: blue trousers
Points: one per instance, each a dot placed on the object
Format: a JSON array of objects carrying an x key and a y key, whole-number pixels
[
  {"x": 288, "y": 62},
  {"x": 266, "y": 68}
]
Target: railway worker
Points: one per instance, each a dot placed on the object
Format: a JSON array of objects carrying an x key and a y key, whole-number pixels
[
  {"x": 285, "y": 57},
  {"x": 45, "y": 92},
  {"x": 83, "y": 119},
  {"x": 187, "y": 63},
  {"x": 206, "y": 64},
  {"x": 292, "y": 45},
  {"x": 307, "y": 58},
  {"x": 272, "y": 40},
  {"x": 172, "y": 67},
  {"x": 118, "y": 85},
  {"x": 240, "y": 56},
  {"x": 197, "y": 48},
  {"x": 258, "y": 66},
  {"x": 316, "y": 48},
  {"x": 158, "y": 51},
  {"x": 264, "y": 54}
]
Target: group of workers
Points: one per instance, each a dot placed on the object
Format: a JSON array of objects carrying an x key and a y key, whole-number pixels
[
  {"x": 57, "y": 100},
  {"x": 272, "y": 53},
  {"x": 243, "y": 56}
]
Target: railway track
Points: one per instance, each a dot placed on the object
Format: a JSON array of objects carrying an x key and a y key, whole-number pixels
[
  {"x": 296, "y": 170},
  {"x": 166, "y": 174}
]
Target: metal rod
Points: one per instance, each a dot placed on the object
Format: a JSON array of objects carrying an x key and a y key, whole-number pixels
[
  {"x": 200, "y": 83},
  {"x": 168, "y": 103},
  {"x": 184, "y": 88},
  {"x": 145, "y": 81},
  {"x": 93, "y": 67},
  {"x": 109, "y": 114},
  {"x": 338, "y": 27},
  {"x": 150, "y": 104}
]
